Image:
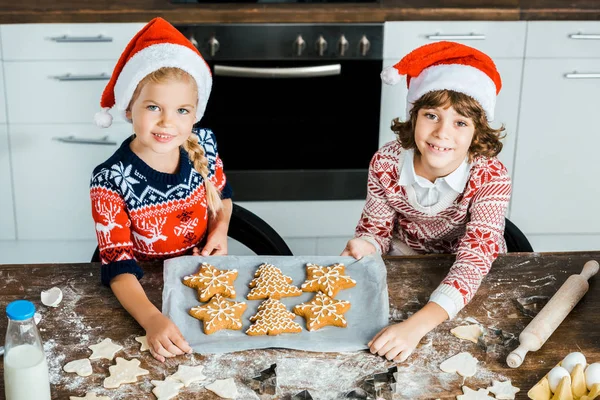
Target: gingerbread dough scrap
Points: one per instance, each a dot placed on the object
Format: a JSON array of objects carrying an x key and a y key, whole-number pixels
[
  {"x": 269, "y": 282},
  {"x": 187, "y": 374},
  {"x": 90, "y": 396},
  {"x": 468, "y": 332},
  {"x": 463, "y": 363},
  {"x": 125, "y": 371},
  {"x": 224, "y": 388},
  {"x": 470, "y": 394},
  {"x": 219, "y": 313},
  {"x": 541, "y": 391},
  {"x": 273, "y": 318},
  {"x": 82, "y": 367},
  {"x": 322, "y": 310},
  {"x": 210, "y": 281},
  {"x": 104, "y": 349},
  {"x": 167, "y": 389},
  {"x": 329, "y": 280},
  {"x": 503, "y": 390},
  {"x": 144, "y": 343}
]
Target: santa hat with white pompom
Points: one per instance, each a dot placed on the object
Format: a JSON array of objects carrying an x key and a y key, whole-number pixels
[
  {"x": 157, "y": 45},
  {"x": 451, "y": 66}
]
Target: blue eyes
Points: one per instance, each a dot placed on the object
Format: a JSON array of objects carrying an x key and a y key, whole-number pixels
[
  {"x": 152, "y": 108},
  {"x": 434, "y": 117},
  {"x": 182, "y": 111}
]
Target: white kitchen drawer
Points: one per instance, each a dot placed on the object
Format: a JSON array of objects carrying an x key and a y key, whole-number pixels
[
  {"x": 2, "y": 98},
  {"x": 36, "y": 95},
  {"x": 66, "y": 41},
  {"x": 563, "y": 39},
  {"x": 555, "y": 188},
  {"x": 505, "y": 39},
  {"x": 301, "y": 219},
  {"x": 52, "y": 178},
  {"x": 7, "y": 217},
  {"x": 46, "y": 251}
]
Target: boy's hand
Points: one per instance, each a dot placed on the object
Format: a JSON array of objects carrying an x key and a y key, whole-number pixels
[
  {"x": 358, "y": 248},
  {"x": 396, "y": 342},
  {"x": 164, "y": 338}
]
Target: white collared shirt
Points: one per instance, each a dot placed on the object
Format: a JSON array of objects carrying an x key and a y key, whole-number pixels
[{"x": 428, "y": 194}]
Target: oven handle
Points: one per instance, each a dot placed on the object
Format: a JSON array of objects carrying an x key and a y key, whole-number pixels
[{"x": 299, "y": 72}]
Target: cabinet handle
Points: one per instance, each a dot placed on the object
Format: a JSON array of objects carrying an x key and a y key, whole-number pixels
[
  {"x": 69, "y": 77},
  {"x": 582, "y": 36},
  {"x": 576, "y": 75},
  {"x": 81, "y": 39},
  {"x": 72, "y": 139},
  {"x": 471, "y": 36}
]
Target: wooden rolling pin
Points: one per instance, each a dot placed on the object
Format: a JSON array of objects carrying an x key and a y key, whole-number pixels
[{"x": 554, "y": 312}]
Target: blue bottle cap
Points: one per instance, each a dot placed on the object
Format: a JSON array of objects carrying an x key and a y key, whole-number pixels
[{"x": 20, "y": 310}]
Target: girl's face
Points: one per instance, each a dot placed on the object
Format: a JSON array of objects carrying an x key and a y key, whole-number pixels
[
  {"x": 163, "y": 116},
  {"x": 443, "y": 138}
]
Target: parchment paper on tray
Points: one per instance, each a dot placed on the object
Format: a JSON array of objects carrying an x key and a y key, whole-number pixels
[{"x": 368, "y": 313}]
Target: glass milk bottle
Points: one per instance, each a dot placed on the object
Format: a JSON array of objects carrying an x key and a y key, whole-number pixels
[{"x": 25, "y": 365}]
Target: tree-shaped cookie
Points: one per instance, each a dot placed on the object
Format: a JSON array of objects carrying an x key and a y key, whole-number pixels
[
  {"x": 322, "y": 310},
  {"x": 219, "y": 313},
  {"x": 210, "y": 281},
  {"x": 329, "y": 280},
  {"x": 273, "y": 318},
  {"x": 269, "y": 282}
]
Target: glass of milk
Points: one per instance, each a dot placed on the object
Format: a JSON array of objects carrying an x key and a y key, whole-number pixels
[{"x": 25, "y": 366}]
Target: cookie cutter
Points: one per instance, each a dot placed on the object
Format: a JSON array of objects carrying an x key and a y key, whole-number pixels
[
  {"x": 303, "y": 395},
  {"x": 266, "y": 381}
]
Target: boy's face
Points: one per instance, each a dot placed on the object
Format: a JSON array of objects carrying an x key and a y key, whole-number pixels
[
  {"x": 163, "y": 116},
  {"x": 443, "y": 138}
]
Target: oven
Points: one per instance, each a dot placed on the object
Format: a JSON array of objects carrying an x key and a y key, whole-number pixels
[{"x": 294, "y": 107}]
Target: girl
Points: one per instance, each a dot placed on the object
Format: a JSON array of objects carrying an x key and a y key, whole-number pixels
[
  {"x": 163, "y": 191},
  {"x": 438, "y": 188}
]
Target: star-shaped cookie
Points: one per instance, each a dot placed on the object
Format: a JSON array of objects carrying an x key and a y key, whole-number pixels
[
  {"x": 219, "y": 313},
  {"x": 322, "y": 310},
  {"x": 143, "y": 341},
  {"x": 470, "y": 394},
  {"x": 125, "y": 371},
  {"x": 329, "y": 280},
  {"x": 188, "y": 374},
  {"x": 104, "y": 349},
  {"x": 503, "y": 390},
  {"x": 167, "y": 389},
  {"x": 210, "y": 281}
]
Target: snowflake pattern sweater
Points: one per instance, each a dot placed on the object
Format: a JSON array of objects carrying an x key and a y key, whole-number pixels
[
  {"x": 141, "y": 214},
  {"x": 470, "y": 224}
]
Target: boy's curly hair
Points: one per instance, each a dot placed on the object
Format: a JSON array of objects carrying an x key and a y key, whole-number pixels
[{"x": 486, "y": 140}]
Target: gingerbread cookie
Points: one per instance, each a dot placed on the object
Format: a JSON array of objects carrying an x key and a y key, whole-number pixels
[
  {"x": 329, "y": 280},
  {"x": 273, "y": 318},
  {"x": 269, "y": 282},
  {"x": 219, "y": 313},
  {"x": 211, "y": 281},
  {"x": 322, "y": 310}
]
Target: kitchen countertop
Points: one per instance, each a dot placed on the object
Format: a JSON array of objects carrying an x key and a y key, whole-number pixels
[
  {"x": 89, "y": 313},
  {"x": 54, "y": 11}
]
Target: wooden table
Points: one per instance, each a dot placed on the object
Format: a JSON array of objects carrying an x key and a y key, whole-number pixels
[{"x": 89, "y": 313}]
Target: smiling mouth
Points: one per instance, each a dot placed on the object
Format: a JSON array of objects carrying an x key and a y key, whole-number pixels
[
  {"x": 439, "y": 148},
  {"x": 159, "y": 135}
]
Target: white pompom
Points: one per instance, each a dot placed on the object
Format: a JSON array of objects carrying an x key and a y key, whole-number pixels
[
  {"x": 390, "y": 76},
  {"x": 103, "y": 118}
]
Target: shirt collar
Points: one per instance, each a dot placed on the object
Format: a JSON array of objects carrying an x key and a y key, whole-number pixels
[{"x": 456, "y": 180}]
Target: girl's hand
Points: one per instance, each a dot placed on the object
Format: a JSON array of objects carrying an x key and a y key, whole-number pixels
[
  {"x": 216, "y": 245},
  {"x": 396, "y": 342},
  {"x": 164, "y": 338},
  {"x": 358, "y": 248}
]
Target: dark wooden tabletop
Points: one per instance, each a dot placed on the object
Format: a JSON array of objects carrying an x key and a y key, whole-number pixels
[
  {"x": 517, "y": 286},
  {"x": 53, "y": 11}
]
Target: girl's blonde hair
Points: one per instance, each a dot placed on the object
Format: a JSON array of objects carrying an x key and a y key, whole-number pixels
[
  {"x": 194, "y": 149},
  {"x": 486, "y": 140}
]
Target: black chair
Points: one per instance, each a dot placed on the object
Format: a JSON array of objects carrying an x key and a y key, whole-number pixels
[
  {"x": 251, "y": 231},
  {"x": 516, "y": 241}
]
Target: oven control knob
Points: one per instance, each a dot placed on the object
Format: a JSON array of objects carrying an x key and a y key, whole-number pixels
[
  {"x": 321, "y": 45},
  {"x": 193, "y": 41},
  {"x": 299, "y": 45},
  {"x": 364, "y": 45},
  {"x": 343, "y": 45},
  {"x": 213, "y": 46}
]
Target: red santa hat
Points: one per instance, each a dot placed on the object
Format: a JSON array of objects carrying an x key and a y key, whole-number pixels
[
  {"x": 451, "y": 66},
  {"x": 158, "y": 44}
]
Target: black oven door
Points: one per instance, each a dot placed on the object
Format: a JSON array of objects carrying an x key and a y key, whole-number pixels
[{"x": 295, "y": 130}]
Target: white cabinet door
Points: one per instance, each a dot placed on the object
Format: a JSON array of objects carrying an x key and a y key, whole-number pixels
[
  {"x": 55, "y": 91},
  {"x": 556, "y": 187},
  {"x": 393, "y": 104},
  {"x": 7, "y": 218},
  {"x": 52, "y": 178}
]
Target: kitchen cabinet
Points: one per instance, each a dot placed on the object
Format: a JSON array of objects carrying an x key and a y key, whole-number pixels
[{"x": 7, "y": 217}]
